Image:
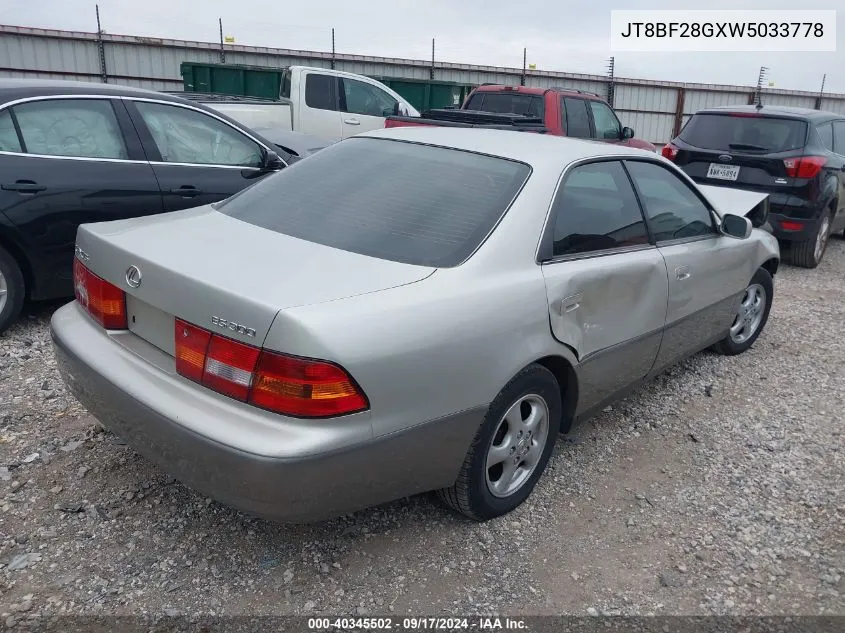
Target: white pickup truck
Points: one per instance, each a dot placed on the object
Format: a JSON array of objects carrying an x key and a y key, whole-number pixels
[{"x": 323, "y": 103}]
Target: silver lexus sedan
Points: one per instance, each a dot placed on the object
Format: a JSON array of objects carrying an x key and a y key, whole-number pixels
[{"x": 408, "y": 310}]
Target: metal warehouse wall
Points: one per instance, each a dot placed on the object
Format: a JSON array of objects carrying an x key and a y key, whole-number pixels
[{"x": 655, "y": 109}]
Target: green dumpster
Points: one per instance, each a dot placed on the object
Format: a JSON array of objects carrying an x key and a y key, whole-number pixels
[
  {"x": 426, "y": 94},
  {"x": 232, "y": 79}
]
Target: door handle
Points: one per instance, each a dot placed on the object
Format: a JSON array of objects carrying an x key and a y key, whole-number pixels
[
  {"x": 570, "y": 304},
  {"x": 682, "y": 272},
  {"x": 23, "y": 186},
  {"x": 352, "y": 122},
  {"x": 186, "y": 191}
]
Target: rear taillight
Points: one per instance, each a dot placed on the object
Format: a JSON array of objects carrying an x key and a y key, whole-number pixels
[
  {"x": 191, "y": 346},
  {"x": 229, "y": 367},
  {"x": 804, "y": 167},
  {"x": 105, "y": 302},
  {"x": 284, "y": 384},
  {"x": 303, "y": 387},
  {"x": 789, "y": 225},
  {"x": 669, "y": 151}
]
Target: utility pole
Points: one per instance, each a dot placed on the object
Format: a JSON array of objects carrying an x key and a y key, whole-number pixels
[
  {"x": 222, "y": 50},
  {"x": 101, "y": 48},
  {"x": 524, "y": 66},
  {"x": 821, "y": 94},
  {"x": 611, "y": 69},
  {"x": 333, "y": 48},
  {"x": 760, "y": 78},
  {"x": 431, "y": 70}
]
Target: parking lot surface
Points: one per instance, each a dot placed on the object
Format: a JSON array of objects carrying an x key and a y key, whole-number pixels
[{"x": 718, "y": 488}]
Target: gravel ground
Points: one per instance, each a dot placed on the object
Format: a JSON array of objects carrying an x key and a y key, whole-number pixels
[{"x": 719, "y": 488}]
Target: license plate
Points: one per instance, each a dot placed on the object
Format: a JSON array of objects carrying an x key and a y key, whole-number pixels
[{"x": 723, "y": 172}]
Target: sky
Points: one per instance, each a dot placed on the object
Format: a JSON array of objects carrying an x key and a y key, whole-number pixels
[{"x": 559, "y": 35}]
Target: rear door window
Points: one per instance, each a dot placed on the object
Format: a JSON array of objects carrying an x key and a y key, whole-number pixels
[
  {"x": 508, "y": 103},
  {"x": 82, "y": 128},
  {"x": 597, "y": 210},
  {"x": 577, "y": 118},
  {"x": 321, "y": 91},
  {"x": 409, "y": 203},
  {"x": 743, "y": 132}
]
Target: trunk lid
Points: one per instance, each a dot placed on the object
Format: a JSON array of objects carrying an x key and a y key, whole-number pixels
[
  {"x": 742, "y": 149},
  {"x": 223, "y": 274}
]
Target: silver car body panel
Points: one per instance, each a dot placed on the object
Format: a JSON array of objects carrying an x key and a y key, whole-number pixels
[{"x": 424, "y": 344}]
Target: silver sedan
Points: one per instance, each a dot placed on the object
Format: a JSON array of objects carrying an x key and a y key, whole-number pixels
[{"x": 407, "y": 310}]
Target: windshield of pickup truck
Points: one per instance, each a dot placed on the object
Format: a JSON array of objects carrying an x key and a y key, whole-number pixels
[{"x": 507, "y": 103}]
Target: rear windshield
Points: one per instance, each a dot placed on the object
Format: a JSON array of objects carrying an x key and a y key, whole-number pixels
[
  {"x": 507, "y": 103},
  {"x": 403, "y": 202},
  {"x": 744, "y": 133}
]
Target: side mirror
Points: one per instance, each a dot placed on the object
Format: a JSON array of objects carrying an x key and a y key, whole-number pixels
[
  {"x": 271, "y": 161},
  {"x": 627, "y": 133},
  {"x": 736, "y": 226}
]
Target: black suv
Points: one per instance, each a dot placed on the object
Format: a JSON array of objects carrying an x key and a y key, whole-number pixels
[
  {"x": 73, "y": 152},
  {"x": 796, "y": 155}
]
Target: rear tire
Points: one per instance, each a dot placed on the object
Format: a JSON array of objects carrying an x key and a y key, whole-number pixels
[
  {"x": 752, "y": 315},
  {"x": 511, "y": 449},
  {"x": 809, "y": 253},
  {"x": 12, "y": 289}
]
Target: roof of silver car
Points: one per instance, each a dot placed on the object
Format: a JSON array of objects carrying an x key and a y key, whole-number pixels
[{"x": 526, "y": 147}]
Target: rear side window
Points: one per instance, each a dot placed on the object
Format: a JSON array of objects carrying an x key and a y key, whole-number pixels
[
  {"x": 839, "y": 137},
  {"x": 409, "y": 203},
  {"x": 508, "y": 103},
  {"x": 9, "y": 141},
  {"x": 745, "y": 133},
  {"x": 597, "y": 210},
  {"x": 320, "y": 91},
  {"x": 577, "y": 119},
  {"x": 826, "y": 135}
]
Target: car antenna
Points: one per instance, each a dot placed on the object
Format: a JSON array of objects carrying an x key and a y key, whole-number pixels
[{"x": 759, "y": 92}]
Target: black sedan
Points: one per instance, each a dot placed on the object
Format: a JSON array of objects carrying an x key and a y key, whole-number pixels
[{"x": 73, "y": 152}]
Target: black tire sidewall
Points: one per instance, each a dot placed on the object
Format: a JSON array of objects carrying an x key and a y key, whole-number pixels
[
  {"x": 15, "y": 289},
  {"x": 534, "y": 379},
  {"x": 763, "y": 278}
]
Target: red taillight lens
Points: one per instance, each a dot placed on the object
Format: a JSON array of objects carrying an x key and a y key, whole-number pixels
[
  {"x": 669, "y": 151},
  {"x": 304, "y": 388},
  {"x": 103, "y": 301},
  {"x": 284, "y": 384},
  {"x": 804, "y": 167},
  {"x": 788, "y": 225},
  {"x": 229, "y": 366},
  {"x": 191, "y": 346}
]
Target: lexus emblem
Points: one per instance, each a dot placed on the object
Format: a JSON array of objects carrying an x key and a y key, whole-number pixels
[
  {"x": 133, "y": 276},
  {"x": 725, "y": 158}
]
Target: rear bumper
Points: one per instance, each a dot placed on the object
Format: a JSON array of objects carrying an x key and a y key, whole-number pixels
[
  {"x": 791, "y": 228},
  {"x": 328, "y": 471}
]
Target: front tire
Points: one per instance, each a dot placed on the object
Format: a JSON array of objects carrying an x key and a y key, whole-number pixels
[
  {"x": 751, "y": 317},
  {"x": 511, "y": 449},
  {"x": 809, "y": 253},
  {"x": 12, "y": 289}
]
